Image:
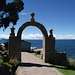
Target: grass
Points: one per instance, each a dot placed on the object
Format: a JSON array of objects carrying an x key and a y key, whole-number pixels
[
  {"x": 37, "y": 55},
  {"x": 70, "y": 70},
  {"x": 64, "y": 70}
]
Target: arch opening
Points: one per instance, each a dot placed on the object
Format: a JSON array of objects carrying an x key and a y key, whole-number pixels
[
  {"x": 42, "y": 29},
  {"x": 38, "y": 25},
  {"x": 33, "y": 41}
]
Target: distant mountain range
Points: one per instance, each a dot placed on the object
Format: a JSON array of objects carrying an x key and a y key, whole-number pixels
[{"x": 3, "y": 40}]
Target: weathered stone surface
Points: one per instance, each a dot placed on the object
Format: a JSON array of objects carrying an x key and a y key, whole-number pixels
[
  {"x": 48, "y": 42},
  {"x": 15, "y": 48},
  {"x": 42, "y": 28}
]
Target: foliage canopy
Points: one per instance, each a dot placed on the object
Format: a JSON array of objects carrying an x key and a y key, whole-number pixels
[{"x": 9, "y": 12}]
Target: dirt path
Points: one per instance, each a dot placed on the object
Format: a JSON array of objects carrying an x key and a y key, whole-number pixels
[{"x": 32, "y": 65}]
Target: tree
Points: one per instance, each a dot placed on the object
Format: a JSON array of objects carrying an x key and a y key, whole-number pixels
[{"x": 9, "y": 12}]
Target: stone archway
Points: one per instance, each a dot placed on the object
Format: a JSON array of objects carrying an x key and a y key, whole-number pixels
[
  {"x": 15, "y": 41},
  {"x": 38, "y": 25}
]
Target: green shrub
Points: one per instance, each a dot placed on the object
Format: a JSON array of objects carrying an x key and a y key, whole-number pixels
[
  {"x": 71, "y": 62},
  {"x": 13, "y": 61},
  {"x": 1, "y": 57},
  {"x": 1, "y": 62},
  {"x": 8, "y": 65}
]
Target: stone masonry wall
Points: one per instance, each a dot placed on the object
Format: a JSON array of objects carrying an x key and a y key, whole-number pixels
[
  {"x": 49, "y": 54},
  {"x": 15, "y": 48},
  {"x": 50, "y": 48}
]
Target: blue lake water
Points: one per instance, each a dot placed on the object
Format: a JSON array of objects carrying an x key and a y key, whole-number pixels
[{"x": 67, "y": 46}]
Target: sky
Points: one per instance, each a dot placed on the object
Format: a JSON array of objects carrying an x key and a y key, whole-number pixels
[{"x": 56, "y": 14}]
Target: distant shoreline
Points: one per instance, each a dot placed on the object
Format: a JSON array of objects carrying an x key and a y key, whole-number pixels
[{"x": 36, "y": 39}]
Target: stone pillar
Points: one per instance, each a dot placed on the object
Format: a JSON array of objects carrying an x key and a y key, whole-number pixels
[
  {"x": 51, "y": 42},
  {"x": 14, "y": 46},
  {"x": 32, "y": 17},
  {"x": 12, "y": 31},
  {"x": 45, "y": 48},
  {"x": 50, "y": 33},
  {"x": 49, "y": 47}
]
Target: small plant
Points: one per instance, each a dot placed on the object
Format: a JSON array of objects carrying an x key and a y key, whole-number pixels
[
  {"x": 1, "y": 61},
  {"x": 6, "y": 64},
  {"x": 71, "y": 62},
  {"x": 13, "y": 61}
]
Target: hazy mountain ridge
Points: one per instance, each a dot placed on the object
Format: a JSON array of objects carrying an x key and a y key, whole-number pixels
[{"x": 3, "y": 40}]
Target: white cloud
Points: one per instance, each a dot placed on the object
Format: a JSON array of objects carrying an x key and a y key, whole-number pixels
[
  {"x": 32, "y": 36},
  {"x": 4, "y": 36},
  {"x": 64, "y": 36},
  {"x": 22, "y": 13},
  {"x": 39, "y": 36}
]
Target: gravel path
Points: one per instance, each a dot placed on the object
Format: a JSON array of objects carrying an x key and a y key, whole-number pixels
[{"x": 32, "y": 65}]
